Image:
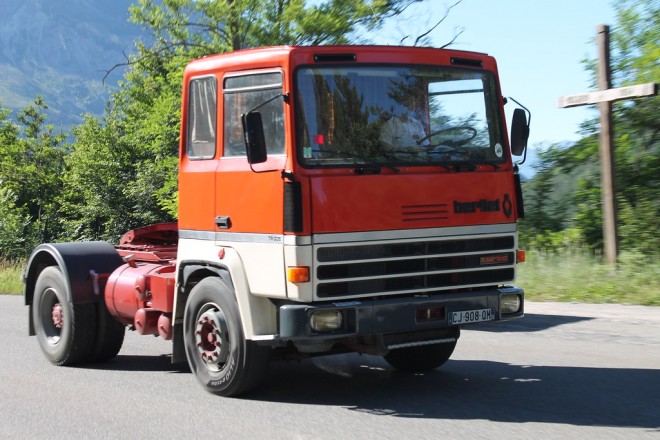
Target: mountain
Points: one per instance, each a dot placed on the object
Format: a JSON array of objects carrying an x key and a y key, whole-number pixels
[{"x": 62, "y": 50}]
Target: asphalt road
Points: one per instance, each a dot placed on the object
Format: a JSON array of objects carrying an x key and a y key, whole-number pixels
[{"x": 564, "y": 371}]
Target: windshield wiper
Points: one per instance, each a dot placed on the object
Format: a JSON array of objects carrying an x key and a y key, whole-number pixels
[
  {"x": 339, "y": 153},
  {"x": 445, "y": 149},
  {"x": 494, "y": 165},
  {"x": 362, "y": 169}
]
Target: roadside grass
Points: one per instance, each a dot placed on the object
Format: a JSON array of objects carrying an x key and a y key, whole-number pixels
[
  {"x": 568, "y": 276},
  {"x": 576, "y": 276},
  {"x": 10, "y": 277}
]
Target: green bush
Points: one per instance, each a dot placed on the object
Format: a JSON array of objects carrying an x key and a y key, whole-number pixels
[
  {"x": 551, "y": 241},
  {"x": 17, "y": 233}
]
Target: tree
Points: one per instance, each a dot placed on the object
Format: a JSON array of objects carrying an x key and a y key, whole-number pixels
[
  {"x": 31, "y": 166},
  {"x": 218, "y": 26},
  {"x": 100, "y": 169},
  {"x": 122, "y": 172},
  {"x": 17, "y": 234}
]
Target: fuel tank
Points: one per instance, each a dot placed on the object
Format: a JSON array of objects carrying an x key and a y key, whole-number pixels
[{"x": 138, "y": 293}]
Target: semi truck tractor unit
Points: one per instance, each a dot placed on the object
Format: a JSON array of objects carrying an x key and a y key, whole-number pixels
[{"x": 331, "y": 200}]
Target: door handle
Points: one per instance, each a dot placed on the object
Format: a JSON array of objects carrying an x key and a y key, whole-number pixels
[{"x": 223, "y": 222}]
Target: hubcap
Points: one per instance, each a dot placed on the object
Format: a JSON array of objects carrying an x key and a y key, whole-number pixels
[
  {"x": 212, "y": 339},
  {"x": 52, "y": 316},
  {"x": 58, "y": 320}
]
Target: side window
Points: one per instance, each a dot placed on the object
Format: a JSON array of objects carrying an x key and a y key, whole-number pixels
[
  {"x": 201, "y": 136},
  {"x": 242, "y": 94}
]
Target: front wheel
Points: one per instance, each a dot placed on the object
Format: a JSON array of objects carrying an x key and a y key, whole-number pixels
[
  {"x": 421, "y": 358},
  {"x": 219, "y": 356}
]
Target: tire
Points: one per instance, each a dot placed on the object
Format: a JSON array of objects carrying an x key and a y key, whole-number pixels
[
  {"x": 109, "y": 335},
  {"x": 65, "y": 331},
  {"x": 420, "y": 358},
  {"x": 221, "y": 359}
]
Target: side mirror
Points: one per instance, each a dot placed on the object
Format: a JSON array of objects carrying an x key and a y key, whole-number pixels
[
  {"x": 255, "y": 141},
  {"x": 519, "y": 132}
]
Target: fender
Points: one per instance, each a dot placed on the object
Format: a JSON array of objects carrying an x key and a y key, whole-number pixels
[
  {"x": 75, "y": 260},
  {"x": 258, "y": 314}
]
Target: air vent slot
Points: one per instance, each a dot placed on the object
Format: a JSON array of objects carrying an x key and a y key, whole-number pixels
[
  {"x": 422, "y": 213},
  {"x": 334, "y": 57},
  {"x": 467, "y": 62}
]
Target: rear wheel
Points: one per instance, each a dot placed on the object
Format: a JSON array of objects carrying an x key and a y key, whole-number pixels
[
  {"x": 222, "y": 360},
  {"x": 65, "y": 331},
  {"x": 421, "y": 358},
  {"x": 109, "y": 335}
]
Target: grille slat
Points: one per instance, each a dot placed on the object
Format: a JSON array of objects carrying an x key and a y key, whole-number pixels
[
  {"x": 368, "y": 252},
  {"x": 414, "y": 266}
]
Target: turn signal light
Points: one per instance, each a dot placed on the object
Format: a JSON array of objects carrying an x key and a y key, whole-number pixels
[
  {"x": 520, "y": 256},
  {"x": 298, "y": 274}
]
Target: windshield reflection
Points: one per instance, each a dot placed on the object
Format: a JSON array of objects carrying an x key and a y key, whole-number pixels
[{"x": 383, "y": 115}]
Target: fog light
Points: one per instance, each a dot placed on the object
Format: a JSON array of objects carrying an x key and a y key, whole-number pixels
[
  {"x": 325, "y": 320},
  {"x": 509, "y": 304}
]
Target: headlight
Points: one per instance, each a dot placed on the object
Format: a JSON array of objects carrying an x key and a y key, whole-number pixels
[
  {"x": 325, "y": 320},
  {"x": 509, "y": 304}
]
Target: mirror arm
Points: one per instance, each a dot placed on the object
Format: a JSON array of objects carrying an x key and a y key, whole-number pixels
[
  {"x": 283, "y": 95},
  {"x": 524, "y": 157},
  {"x": 262, "y": 171},
  {"x": 529, "y": 114}
]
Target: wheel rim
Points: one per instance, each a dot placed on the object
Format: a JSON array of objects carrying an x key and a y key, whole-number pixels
[
  {"x": 212, "y": 338},
  {"x": 52, "y": 316}
]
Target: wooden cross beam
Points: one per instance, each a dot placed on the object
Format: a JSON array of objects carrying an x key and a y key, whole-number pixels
[
  {"x": 604, "y": 98},
  {"x": 611, "y": 95}
]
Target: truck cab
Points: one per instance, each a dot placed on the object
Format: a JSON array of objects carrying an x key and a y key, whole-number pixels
[{"x": 341, "y": 230}]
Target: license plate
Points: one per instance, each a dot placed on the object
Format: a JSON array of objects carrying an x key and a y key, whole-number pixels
[{"x": 470, "y": 316}]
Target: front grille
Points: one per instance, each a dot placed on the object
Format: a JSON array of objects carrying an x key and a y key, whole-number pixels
[{"x": 414, "y": 266}]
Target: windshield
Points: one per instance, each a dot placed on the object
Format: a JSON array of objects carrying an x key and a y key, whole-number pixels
[{"x": 384, "y": 115}]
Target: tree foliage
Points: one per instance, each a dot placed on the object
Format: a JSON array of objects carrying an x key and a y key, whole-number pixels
[
  {"x": 31, "y": 168},
  {"x": 218, "y": 26},
  {"x": 17, "y": 236}
]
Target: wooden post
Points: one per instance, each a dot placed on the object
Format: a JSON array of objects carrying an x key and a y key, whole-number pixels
[
  {"x": 607, "y": 162},
  {"x": 604, "y": 98}
]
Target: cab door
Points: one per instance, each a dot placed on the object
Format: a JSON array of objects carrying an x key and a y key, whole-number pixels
[
  {"x": 199, "y": 152},
  {"x": 249, "y": 200}
]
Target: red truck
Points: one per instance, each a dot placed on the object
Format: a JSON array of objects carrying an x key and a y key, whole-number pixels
[{"x": 331, "y": 199}]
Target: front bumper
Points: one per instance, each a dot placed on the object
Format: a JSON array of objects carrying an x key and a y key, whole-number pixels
[{"x": 373, "y": 316}]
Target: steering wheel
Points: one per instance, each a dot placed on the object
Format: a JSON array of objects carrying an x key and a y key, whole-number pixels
[{"x": 469, "y": 132}]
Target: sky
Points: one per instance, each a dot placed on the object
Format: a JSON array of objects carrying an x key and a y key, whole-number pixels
[{"x": 538, "y": 45}]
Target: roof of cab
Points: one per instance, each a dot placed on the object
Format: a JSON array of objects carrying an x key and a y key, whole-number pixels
[{"x": 284, "y": 56}]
